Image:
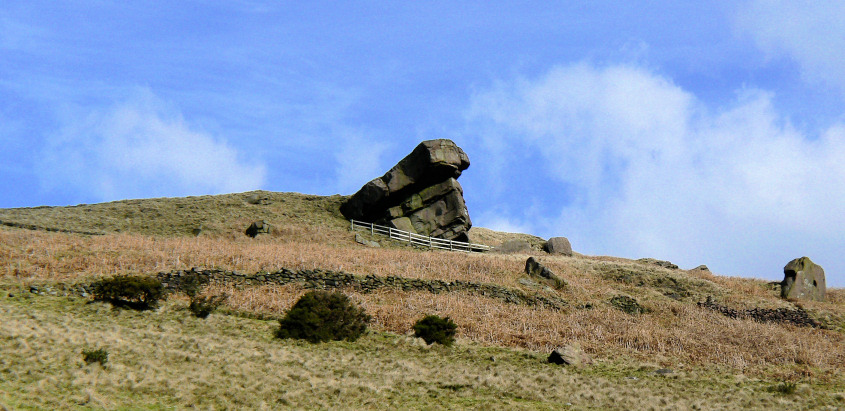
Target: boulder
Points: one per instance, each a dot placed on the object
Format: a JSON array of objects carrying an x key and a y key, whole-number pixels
[
  {"x": 363, "y": 241},
  {"x": 513, "y": 247},
  {"x": 537, "y": 270},
  {"x": 569, "y": 355},
  {"x": 803, "y": 280},
  {"x": 256, "y": 228},
  {"x": 659, "y": 263},
  {"x": 558, "y": 245},
  {"x": 420, "y": 194}
]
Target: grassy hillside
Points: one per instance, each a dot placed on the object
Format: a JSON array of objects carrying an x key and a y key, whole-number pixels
[{"x": 166, "y": 358}]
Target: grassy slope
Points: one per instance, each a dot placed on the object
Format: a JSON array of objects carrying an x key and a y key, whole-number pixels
[{"x": 167, "y": 358}]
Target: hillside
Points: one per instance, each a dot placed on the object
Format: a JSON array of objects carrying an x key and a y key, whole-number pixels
[{"x": 167, "y": 358}]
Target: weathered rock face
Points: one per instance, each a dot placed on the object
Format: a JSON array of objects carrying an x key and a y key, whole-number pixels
[
  {"x": 257, "y": 227},
  {"x": 419, "y": 194},
  {"x": 558, "y": 245},
  {"x": 803, "y": 280}
]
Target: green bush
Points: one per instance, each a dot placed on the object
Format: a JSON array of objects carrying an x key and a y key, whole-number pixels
[
  {"x": 434, "y": 329},
  {"x": 201, "y": 307},
  {"x": 99, "y": 355},
  {"x": 192, "y": 284},
  {"x": 323, "y": 316},
  {"x": 137, "y": 292}
]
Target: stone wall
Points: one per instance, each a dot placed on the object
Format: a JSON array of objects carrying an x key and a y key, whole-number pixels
[{"x": 324, "y": 279}]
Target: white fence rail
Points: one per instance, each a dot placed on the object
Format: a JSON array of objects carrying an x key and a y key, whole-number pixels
[{"x": 416, "y": 239}]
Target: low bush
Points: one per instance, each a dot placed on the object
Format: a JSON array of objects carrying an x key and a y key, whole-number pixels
[
  {"x": 99, "y": 355},
  {"x": 434, "y": 329},
  {"x": 137, "y": 292},
  {"x": 323, "y": 316},
  {"x": 202, "y": 307},
  {"x": 192, "y": 284}
]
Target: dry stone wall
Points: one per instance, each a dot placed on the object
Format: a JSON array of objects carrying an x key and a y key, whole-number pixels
[{"x": 325, "y": 279}]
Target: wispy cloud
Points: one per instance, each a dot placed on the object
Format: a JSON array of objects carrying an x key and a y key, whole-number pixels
[
  {"x": 143, "y": 148},
  {"x": 358, "y": 160},
  {"x": 658, "y": 174},
  {"x": 811, "y": 33}
]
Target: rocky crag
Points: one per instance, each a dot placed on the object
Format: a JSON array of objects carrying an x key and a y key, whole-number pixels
[{"x": 420, "y": 194}]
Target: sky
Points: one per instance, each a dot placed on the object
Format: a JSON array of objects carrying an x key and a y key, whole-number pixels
[{"x": 695, "y": 132}]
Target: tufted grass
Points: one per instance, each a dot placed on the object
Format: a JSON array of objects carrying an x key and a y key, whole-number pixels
[
  {"x": 170, "y": 359},
  {"x": 720, "y": 362}
]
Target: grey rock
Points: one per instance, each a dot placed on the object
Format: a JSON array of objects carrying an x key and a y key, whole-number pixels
[
  {"x": 420, "y": 194},
  {"x": 558, "y": 245},
  {"x": 701, "y": 268},
  {"x": 803, "y": 280},
  {"x": 627, "y": 304},
  {"x": 659, "y": 263},
  {"x": 513, "y": 247},
  {"x": 361, "y": 240},
  {"x": 257, "y": 227},
  {"x": 258, "y": 199},
  {"x": 537, "y": 270},
  {"x": 569, "y": 355}
]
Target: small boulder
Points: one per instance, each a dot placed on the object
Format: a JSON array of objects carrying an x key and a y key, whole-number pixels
[
  {"x": 627, "y": 304},
  {"x": 569, "y": 355},
  {"x": 803, "y": 280},
  {"x": 537, "y": 270},
  {"x": 369, "y": 243},
  {"x": 558, "y": 245},
  {"x": 701, "y": 268},
  {"x": 257, "y": 227},
  {"x": 659, "y": 263},
  {"x": 513, "y": 247}
]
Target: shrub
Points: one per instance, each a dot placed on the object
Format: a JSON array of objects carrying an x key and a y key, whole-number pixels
[
  {"x": 434, "y": 329},
  {"x": 627, "y": 304},
  {"x": 785, "y": 388},
  {"x": 99, "y": 355},
  {"x": 192, "y": 283},
  {"x": 322, "y": 316},
  {"x": 137, "y": 292},
  {"x": 201, "y": 307}
]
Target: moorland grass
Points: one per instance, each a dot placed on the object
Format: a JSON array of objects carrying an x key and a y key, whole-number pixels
[{"x": 720, "y": 362}]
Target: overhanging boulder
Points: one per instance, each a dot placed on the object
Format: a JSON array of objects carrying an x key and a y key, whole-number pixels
[{"x": 420, "y": 194}]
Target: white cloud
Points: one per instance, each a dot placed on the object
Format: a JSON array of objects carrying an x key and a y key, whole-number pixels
[
  {"x": 660, "y": 175},
  {"x": 143, "y": 148},
  {"x": 358, "y": 161},
  {"x": 811, "y": 33}
]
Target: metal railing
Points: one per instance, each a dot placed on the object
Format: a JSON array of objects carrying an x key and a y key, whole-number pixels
[{"x": 417, "y": 239}]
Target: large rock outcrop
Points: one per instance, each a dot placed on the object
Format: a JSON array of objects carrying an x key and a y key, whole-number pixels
[
  {"x": 419, "y": 194},
  {"x": 803, "y": 280}
]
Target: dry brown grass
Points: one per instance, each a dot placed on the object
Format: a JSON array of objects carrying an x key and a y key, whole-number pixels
[
  {"x": 168, "y": 359},
  {"x": 672, "y": 333}
]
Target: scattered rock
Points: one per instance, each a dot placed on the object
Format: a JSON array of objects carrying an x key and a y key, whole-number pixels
[
  {"x": 803, "y": 280},
  {"x": 558, "y": 245},
  {"x": 420, "y": 194},
  {"x": 535, "y": 269},
  {"x": 569, "y": 355},
  {"x": 257, "y": 227},
  {"x": 627, "y": 304},
  {"x": 513, "y": 247},
  {"x": 532, "y": 284},
  {"x": 258, "y": 199},
  {"x": 663, "y": 371},
  {"x": 361, "y": 240},
  {"x": 197, "y": 231},
  {"x": 659, "y": 263},
  {"x": 701, "y": 268}
]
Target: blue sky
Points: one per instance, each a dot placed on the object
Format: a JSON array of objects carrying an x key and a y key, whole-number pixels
[{"x": 698, "y": 132}]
